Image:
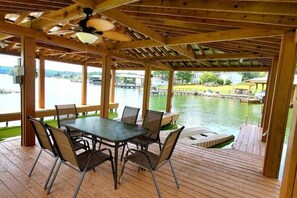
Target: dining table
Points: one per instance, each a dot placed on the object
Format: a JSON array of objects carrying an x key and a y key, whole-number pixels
[{"x": 116, "y": 133}]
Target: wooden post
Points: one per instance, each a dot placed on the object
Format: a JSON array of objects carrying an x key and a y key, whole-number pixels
[
  {"x": 28, "y": 90},
  {"x": 105, "y": 86},
  {"x": 289, "y": 184},
  {"x": 268, "y": 97},
  {"x": 84, "y": 76},
  {"x": 112, "y": 85},
  {"x": 146, "y": 89},
  {"x": 41, "y": 85},
  {"x": 280, "y": 105},
  {"x": 290, "y": 170},
  {"x": 169, "y": 91}
]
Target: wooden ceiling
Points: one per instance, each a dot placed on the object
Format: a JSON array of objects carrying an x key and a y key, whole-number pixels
[{"x": 193, "y": 35}]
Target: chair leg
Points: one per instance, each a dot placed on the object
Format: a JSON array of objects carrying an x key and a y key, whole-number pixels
[
  {"x": 54, "y": 177},
  {"x": 176, "y": 182},
  {"x": 156, "y": 184},
  {"x": 82, "y": 175},
  {"x": 50, "y": 173},
  {"x": 113, "y": 170},
  {"x": 122, "y": 172},
  {"x": 160, "y": 145},
  {"x": 123, "y": 151},
  {"x": 35, "y": 163}
]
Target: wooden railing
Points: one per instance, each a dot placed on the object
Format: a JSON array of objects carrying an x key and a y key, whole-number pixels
[{"x": 41, "y": 113}]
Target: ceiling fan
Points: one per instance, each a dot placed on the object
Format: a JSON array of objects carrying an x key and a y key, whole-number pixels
[{"x": 92, "y": 28}]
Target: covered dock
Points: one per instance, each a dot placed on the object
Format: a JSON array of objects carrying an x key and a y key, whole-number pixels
[{"x": 190, "y": 35}]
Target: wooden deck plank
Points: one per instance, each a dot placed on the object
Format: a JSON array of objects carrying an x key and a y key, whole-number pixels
[
  {"x": 250, "y": 140},
  {"x": 201, "y": 173}
]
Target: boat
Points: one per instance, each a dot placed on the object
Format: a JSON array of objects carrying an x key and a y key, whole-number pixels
[
  {"x": 251, "y": 100},
  {"x": 203, "y": 137},
  {"x": 95, "y": 79}
]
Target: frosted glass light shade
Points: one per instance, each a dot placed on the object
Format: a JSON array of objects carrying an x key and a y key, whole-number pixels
[{"x": 86, "y": 38}]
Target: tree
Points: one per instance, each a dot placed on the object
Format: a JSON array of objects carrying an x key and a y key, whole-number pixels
[
  {"x": 207, "y": 77},
  {"x": 250, "y": 75},
  {"x": 184, "y": 76},
  {"x": 162, "y": 73}
]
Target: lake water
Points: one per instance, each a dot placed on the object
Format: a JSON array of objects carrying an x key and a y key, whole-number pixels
[{"x": 219, "y": 115}]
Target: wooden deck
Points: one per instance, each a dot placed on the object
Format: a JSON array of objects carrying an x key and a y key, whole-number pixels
[
  {"x": 201, "y": 173},
  {"x": 249, "y": 140}
]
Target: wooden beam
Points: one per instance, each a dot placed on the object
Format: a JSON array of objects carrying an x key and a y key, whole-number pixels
[
  {"x": 105, "y": 86},
  {"x": 237, "y": 68},
  {"x": 18, "y": 21},
  {"x": 28, "y": 91},
  {"x": 280, "y": 107},
  {"x": 169, "y": 91},
  {"x": 274, "y": 8},
  {"x": 146, "y": 89},
  {"x": 288, "y": 185},
  {"x": 112, "y": 85},
  {"x": 128, "y": 21},
  {"x": 41, "y": 84},
  {"x": 226, "y": 35},
  {"x": 222, "y": 56},
  {"x": 269, "y": 96},
  {"x": 84, "y": 78}
]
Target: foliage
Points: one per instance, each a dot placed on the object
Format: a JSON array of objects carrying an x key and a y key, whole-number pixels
[
  {"x": 220, "y": 81},
  {"x": 169, "y": 126},
  {"x": 207, "y": 77},
  {"x": 228, "y": 82},
  {"x": 184, "y": 76},
  {"x": 250, "y": 75},
  {"x": 162, "y": 73}
]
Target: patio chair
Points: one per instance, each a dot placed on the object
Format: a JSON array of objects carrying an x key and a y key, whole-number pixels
[
  {"x": 81, "y": 162},
  {"x": 152, "y": 120},
  {"x": 45, "y": 144},
  {"x": 67, "y": 112},
  {"x": 152, "y": 161},
  {"x": 129, "y": 116}
]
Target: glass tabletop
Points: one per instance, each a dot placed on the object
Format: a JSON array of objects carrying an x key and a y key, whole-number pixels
[{"x": 107, "y": 129}]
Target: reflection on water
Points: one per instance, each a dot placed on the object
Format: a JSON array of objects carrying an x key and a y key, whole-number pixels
[{"x": 219, "y": 115}]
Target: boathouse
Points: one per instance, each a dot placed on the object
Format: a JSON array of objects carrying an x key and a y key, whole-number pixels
[{"x": 189, "y": 35}]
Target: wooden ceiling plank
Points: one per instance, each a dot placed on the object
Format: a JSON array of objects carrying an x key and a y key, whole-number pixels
[
  {"x": 277, "y": 8},
  {"x": 227, "y": 35},
  {"x": 218, "y": 18}
]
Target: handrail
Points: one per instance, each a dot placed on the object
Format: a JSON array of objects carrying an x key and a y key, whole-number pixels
[{"x": 41, "y": 113}]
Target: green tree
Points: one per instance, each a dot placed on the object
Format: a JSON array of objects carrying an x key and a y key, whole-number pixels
[
  {"x": 184, "y": 76},
  {"x": 250, "y": 75},
  {"x": 162, "y": 73},
  {"x": 207, "y": 77}
]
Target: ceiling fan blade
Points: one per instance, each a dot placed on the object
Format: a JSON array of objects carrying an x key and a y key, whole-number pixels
[
  {"x": 118, "y": 36},
  {"x": 100, "y": 24}
]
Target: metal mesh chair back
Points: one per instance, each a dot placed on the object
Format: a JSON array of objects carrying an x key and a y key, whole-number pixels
[
  {"x": 130, "y": 115},
  {"x": 169, "y": 145},
  {"x": 64, "y": 145},
  {"x": 152, "y": 120},
  {"x": 42, "y": 134},
  {"x": 66, "y": 112}
]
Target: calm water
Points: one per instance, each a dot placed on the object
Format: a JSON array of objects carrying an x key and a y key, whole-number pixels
[{"x": 219, "y": 115}]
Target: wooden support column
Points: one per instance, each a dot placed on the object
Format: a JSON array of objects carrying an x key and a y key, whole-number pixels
[
  {"x": 112, "y": 85},
  {"x": 105, "y": 86},
  {"x": 41, "y": 84},
  {"x": 281, "y": 100},
  {"x": 84, "y": 76},
  {"x": 268, "y": 97},
  {"x": 289, "y": 181},
  {"x": 288, "y": 185},
  {"x": 146, "y": 89},
  {"x": 169, "y": 91},
  {"x": 28, "y": 90}
]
